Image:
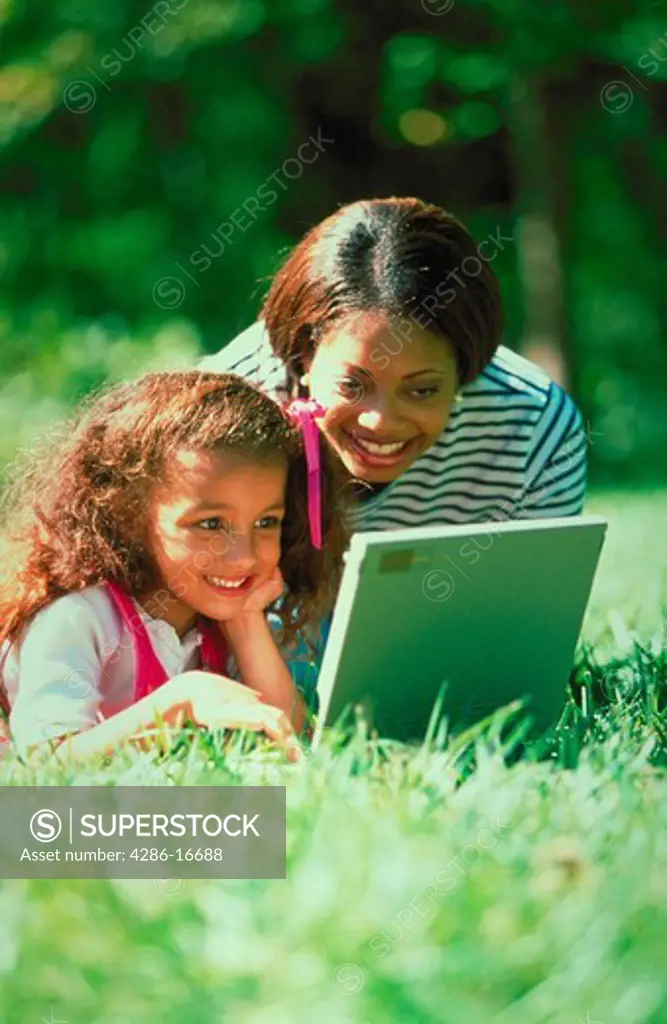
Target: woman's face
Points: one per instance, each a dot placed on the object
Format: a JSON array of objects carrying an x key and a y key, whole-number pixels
[{"x": 387, "y": 392}]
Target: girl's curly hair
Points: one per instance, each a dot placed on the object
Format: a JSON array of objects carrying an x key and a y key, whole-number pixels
[{"x": 77, "y": 515}]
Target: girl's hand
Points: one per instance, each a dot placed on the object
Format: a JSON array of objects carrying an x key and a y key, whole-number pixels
[
  {"x": 265, "y": 594},
  {"x": 217, "y": 702}
]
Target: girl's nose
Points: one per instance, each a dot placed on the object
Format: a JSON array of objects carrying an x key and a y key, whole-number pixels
[{"x": 240, "y": 553}]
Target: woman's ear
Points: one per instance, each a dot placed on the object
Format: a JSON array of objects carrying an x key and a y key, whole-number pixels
[
  {"x": 298, "y": 381},
  {"x": 300, "y": 387},
  {"x": 301, "y": 362},
  {"x": 304, "y": 379}
]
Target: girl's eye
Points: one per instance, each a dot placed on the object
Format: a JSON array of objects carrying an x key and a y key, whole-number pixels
[
  {"x": 212, "y": 523},
  {"x": 270, "y": 523}
]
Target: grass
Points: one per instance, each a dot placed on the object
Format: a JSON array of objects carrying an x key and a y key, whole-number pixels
[{"x": 456, "y": 885}]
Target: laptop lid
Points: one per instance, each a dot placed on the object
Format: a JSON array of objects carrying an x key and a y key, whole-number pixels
[{"x": 492, "y": 610}]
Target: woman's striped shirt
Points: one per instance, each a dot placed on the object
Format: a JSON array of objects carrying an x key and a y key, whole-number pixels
[{"x": 514, "y": 446}]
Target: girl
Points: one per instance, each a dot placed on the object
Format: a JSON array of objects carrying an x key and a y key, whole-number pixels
[
  {"x": 142, "y": 554},
  {"x": 390, "y": 316}
]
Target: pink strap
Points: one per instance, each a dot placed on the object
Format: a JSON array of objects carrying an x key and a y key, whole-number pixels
[
  {"x": 304, "y": 412},
  {"x": 214, "y": 652},
  {"x": 150, "y": 671}
]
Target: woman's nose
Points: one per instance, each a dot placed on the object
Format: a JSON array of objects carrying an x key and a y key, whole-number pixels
[{"x": 377, "y": 414}]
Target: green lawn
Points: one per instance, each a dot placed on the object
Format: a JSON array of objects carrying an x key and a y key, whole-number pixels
[
  {"x": 418, "y": 888},
  {"x": 630, "y": 591}
]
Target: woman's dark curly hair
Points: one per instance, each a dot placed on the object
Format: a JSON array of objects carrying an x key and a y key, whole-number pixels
[
  {"x": 77, "y": 516},
  {"x": 393, "y": 256}
]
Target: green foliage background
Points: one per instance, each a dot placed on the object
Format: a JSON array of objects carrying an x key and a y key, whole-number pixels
[{"x": 129, "y": 133}]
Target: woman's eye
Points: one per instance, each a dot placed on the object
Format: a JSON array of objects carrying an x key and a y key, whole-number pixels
[
  {"x": 349, "y": 387},
  {"x": 424, "y": 392}
]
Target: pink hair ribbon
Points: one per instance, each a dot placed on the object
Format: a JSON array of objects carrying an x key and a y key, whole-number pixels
[{"x": 304, "y": 412}]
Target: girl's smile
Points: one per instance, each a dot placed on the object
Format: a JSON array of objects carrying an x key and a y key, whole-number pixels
[{"x": 232, "y": 588}]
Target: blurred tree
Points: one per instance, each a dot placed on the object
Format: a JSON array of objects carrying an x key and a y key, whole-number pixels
[{"x": 135, "y": 140}]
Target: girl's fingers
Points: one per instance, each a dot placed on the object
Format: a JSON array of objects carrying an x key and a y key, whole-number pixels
[
  {"x": 278, "y": 727},
  {"x": 269, "y": 720},
  {"x": 277, "y": 578},
  {"x": 277, "y": 724},
  {"x": 268, "y": 592}
]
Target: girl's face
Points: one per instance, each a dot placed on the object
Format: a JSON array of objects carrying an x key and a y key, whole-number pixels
[
  {"x": 387, "y": 393},
  {"x": 214, "y": 529}
]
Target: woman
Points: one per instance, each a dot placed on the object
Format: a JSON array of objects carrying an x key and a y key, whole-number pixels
[{"x": 390, "y": 316}]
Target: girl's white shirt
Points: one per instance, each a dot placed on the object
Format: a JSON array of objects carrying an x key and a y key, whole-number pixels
[{"x": 74, "y": 665}]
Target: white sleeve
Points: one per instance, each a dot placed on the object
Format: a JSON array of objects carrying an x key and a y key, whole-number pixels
[
  {"x": 243, "y": 355},
  {"x": 250, "y": 356},
  {"x": 58, "y": 672}
]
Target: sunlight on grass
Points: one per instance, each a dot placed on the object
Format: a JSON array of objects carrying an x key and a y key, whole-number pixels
[
  {"x": 456, "y": 884},
  {"x": 629, "y": 596}
]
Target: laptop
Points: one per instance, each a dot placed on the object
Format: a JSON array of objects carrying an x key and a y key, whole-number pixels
[{"x": 485, "y": 614}]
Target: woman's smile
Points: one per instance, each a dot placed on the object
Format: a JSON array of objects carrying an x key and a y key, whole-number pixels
[
  {"x": 398, "y": 410},
  {"x": 372, "y": 451}
]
